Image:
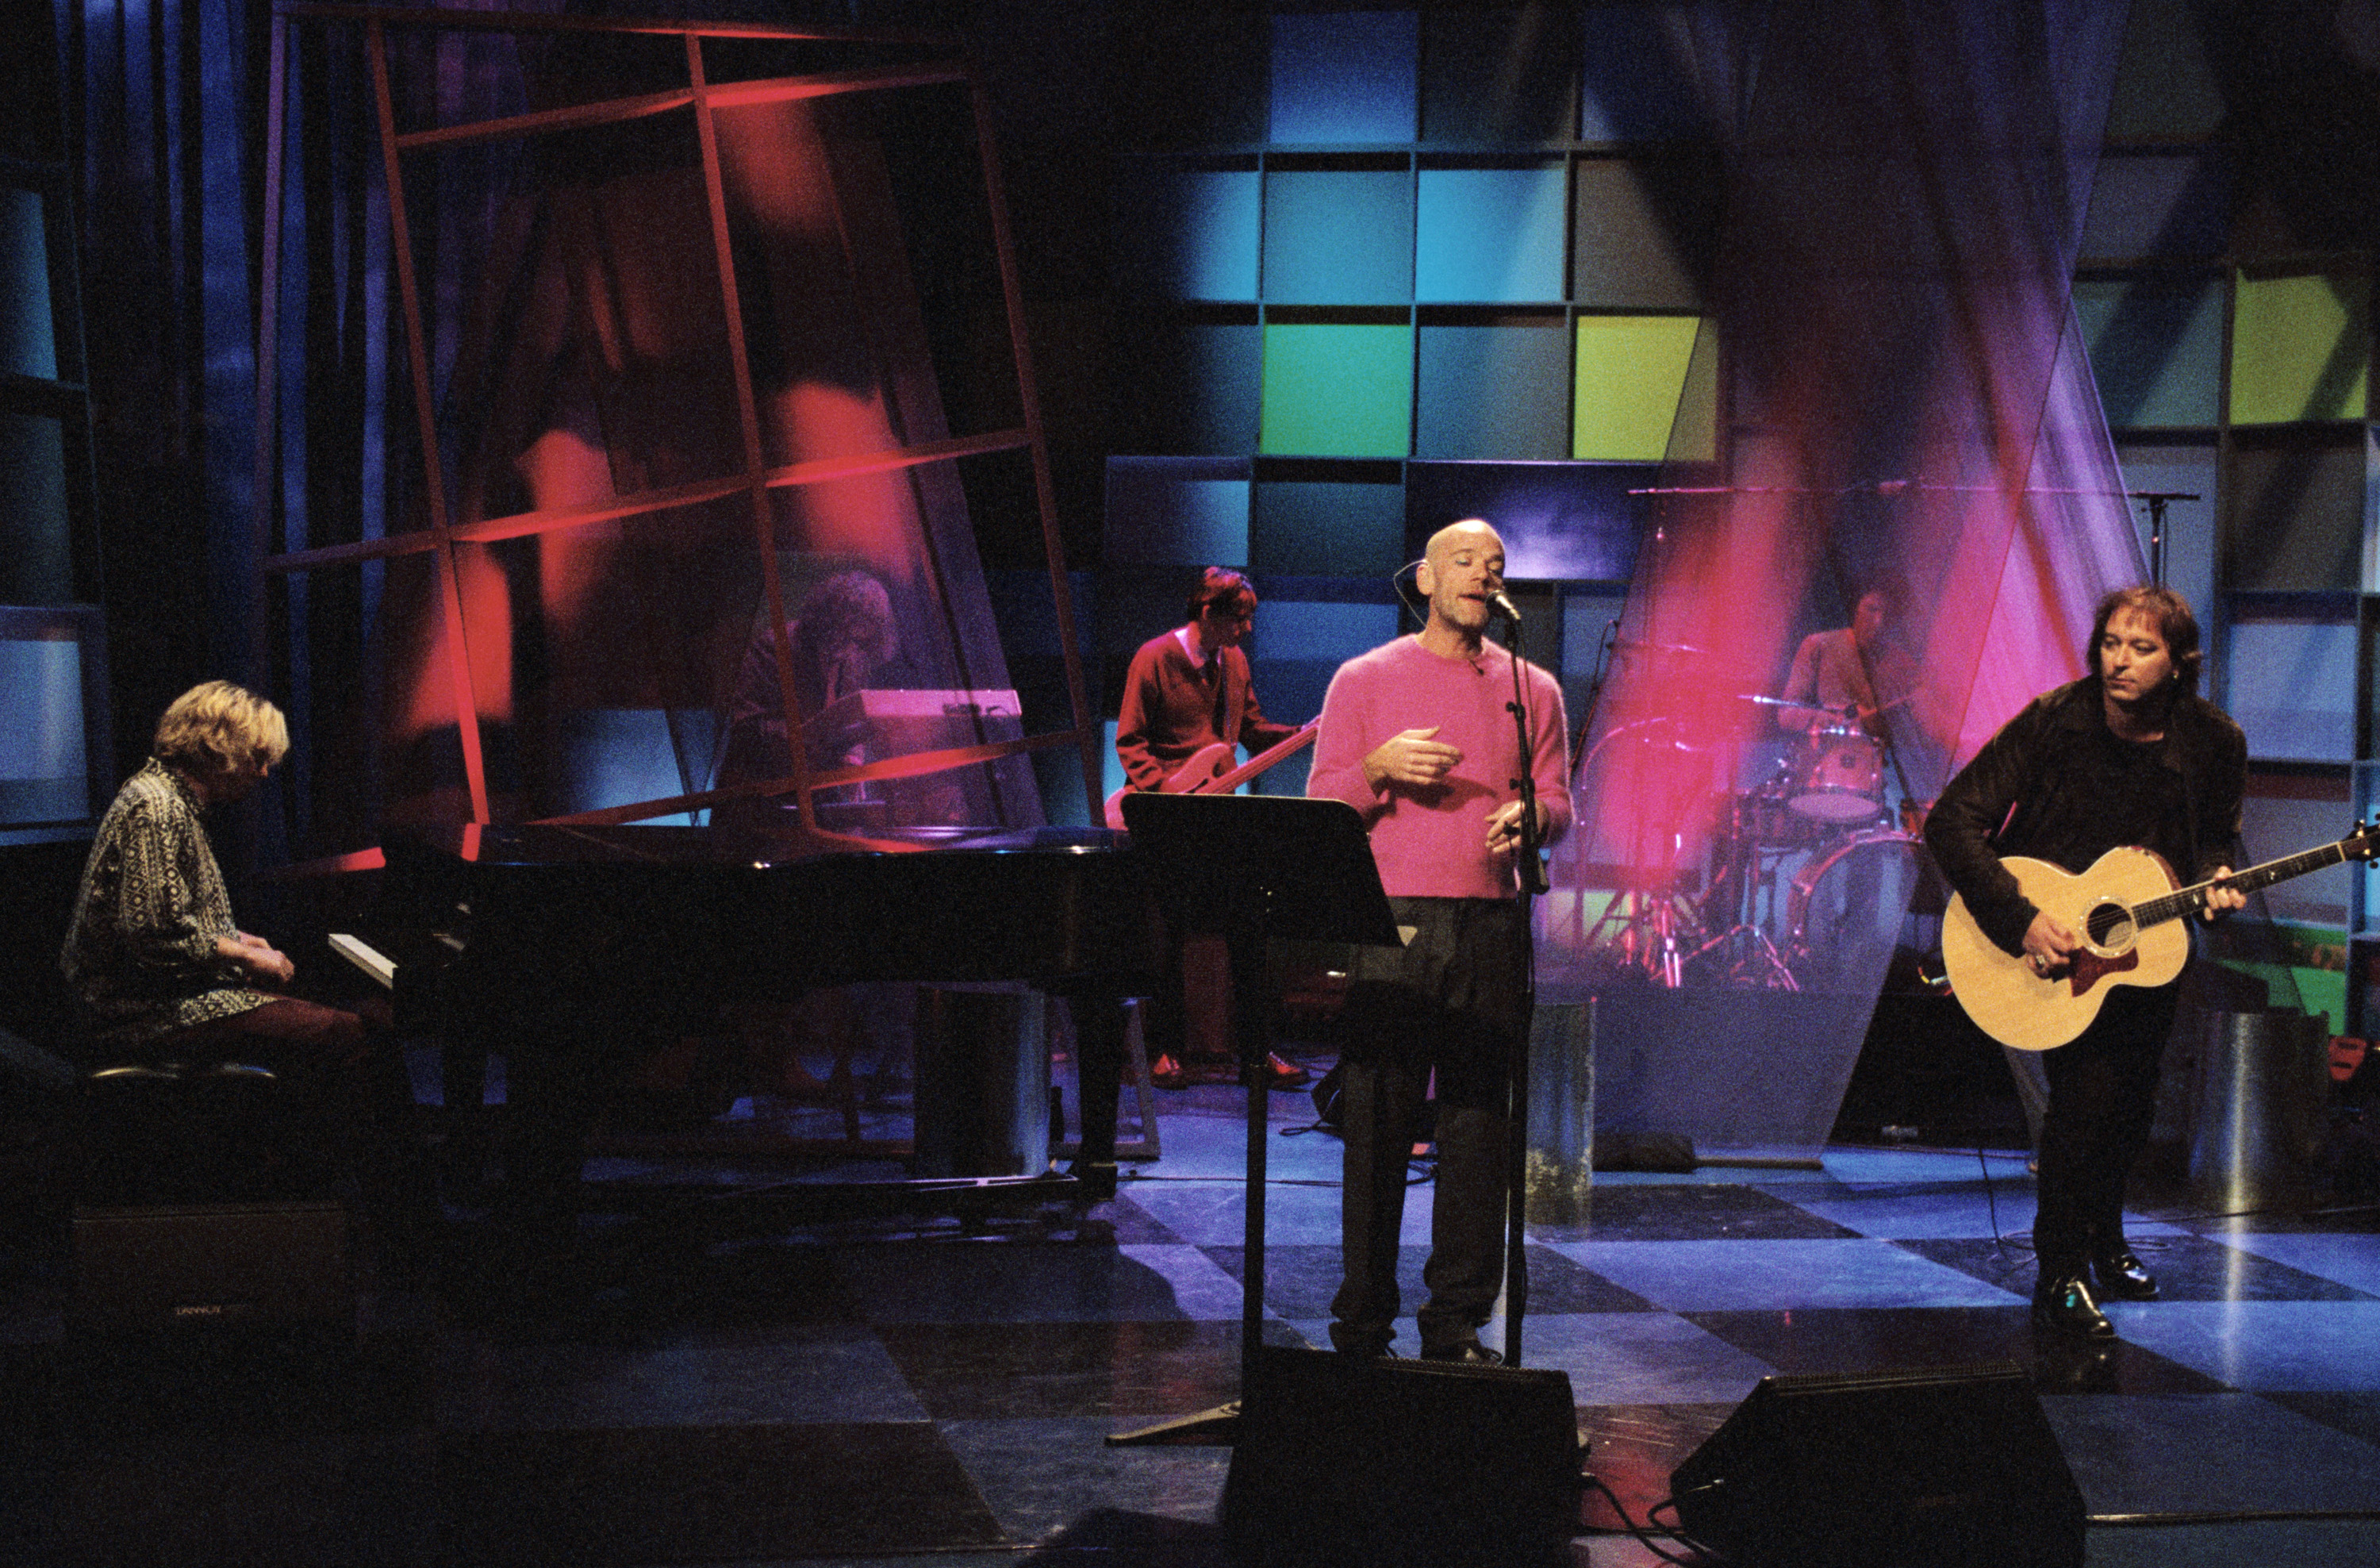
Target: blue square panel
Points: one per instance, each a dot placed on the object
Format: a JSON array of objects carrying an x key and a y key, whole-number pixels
[
  {"x": 1337, "y": 236},
  {"x": 1562, "y": 522},
  {"x": 1177, "y": 511},
  {"x": 1344, "y": 77},
  {"x": 2162, "y": 205},
  {"x": 1645, "y": 230},
  {"x": 1192, "y": 382},
  {"x": 1489, "y": 237},
  {"x": 1639, "y": 81},
  {"x": 1188, "y": 233},
  {"x": 1328, "y": 633},
  {"x": 2291, "y": 687},
  {"x": 1489, "y": 391}
]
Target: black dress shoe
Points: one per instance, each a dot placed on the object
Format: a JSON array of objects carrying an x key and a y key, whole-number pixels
[
  {"x": 2064, "y": 1305},
  {"x": 1465, "y": 1353},
  {"x": 2122, "y": 1277}
]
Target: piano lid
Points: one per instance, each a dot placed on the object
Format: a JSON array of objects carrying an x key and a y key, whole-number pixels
[{"x": 547, "y": 844}]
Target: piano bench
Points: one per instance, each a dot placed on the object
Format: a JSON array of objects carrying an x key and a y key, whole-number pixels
[{"x": 152, "y": 1133}]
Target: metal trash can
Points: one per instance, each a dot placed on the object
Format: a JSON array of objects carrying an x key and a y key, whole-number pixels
[
  {"x": 1561, "y": 1166},
  {"x": 2257, "y": 1116}
]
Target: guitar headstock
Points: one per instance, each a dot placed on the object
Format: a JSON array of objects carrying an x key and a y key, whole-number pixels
[{"x": 2363, "y": 844}]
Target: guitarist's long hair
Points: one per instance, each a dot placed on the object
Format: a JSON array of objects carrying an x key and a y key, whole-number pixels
[{"x": 2173, "y": 622}]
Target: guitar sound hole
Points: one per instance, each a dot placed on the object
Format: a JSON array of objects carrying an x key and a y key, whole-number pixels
[{"x": 2110, "y": 926}]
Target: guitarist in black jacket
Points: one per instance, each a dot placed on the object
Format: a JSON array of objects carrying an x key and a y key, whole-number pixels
[{"x": 2128, "y": 754}]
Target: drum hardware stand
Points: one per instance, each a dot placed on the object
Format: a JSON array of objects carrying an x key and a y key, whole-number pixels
[{"x": 1752, "y": 961}]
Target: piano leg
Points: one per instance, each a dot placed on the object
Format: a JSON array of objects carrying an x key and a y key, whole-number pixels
[{"x": 1099, "y": 1042}]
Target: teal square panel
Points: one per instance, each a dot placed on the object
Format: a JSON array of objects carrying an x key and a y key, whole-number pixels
[
  {"x": 1337, "y": 236},
  {"x": 2156, "y": 349},
  {"x": 1493, "y": 391},
  {"x": 1489, "y": 237},
  {"x": 1344, "y": 77},
  {"x": 1188, "y": 234},
  {"x": 1325, "y": 529},
  {"x": 1192, "y": 386},
  {"x": 1177, "y": 511},
  {"x": 1336, "y": 391}
]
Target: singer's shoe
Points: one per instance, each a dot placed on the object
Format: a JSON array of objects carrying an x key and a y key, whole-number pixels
[
  {"x": 2122, "y": 1277},
  {"x": 2063, "y": 1304},
  {"x": 1465, "y": 1353}
]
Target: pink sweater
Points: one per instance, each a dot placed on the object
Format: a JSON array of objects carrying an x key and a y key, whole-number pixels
[{"x": 1434, "y": 844}]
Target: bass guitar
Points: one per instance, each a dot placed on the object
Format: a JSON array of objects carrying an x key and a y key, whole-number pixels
[
  {"x": 2127, "y": 906},
  {"x": 1210, "y": 770}
]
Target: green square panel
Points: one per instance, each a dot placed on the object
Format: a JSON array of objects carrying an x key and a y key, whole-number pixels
[
  {"x": 1337, "y": 390},
  {"x": 1643, "y": 231},
  {"x": 1337, "y": 236},
  {"x": 1498, "y": 390},
  {"x": 1631, "y": 376},
  {"x": 1489, "y": 237},
  {"x": 1328, "y": 528},
  {"x": 2156, "y": 349},
  {"x": 2300, "y": 347}
]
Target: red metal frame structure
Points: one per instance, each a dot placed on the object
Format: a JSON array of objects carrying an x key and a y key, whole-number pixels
[{"x": 941, "y": 64}]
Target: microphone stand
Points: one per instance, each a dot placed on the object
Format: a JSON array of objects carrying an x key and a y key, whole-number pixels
[{"x": 1516, "y": 1138}]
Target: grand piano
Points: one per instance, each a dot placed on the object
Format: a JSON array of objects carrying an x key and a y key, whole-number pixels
[{"x": 570, "y": 949}]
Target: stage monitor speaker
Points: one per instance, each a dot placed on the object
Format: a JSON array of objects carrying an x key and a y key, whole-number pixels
[
  {"x": 1945, "y": 1468},
  {"x": 223, "y": 1265},
  {"x": 1386, "y": 1463}
]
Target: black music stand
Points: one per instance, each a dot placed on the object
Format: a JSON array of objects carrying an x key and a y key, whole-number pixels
[{"x": 1251, "y": 868}]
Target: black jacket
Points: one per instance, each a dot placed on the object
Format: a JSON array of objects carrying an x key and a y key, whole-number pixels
[{"x": 2024, "y": 767}]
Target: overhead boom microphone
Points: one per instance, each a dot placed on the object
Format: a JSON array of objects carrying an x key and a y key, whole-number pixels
[{"x": 1501, "y": 608}]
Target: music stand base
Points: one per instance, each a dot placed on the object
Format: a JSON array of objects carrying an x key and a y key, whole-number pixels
[{"x": 1219, "y": 1426}]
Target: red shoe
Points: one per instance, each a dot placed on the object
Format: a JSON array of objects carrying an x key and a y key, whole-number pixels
[
  {"x": 1166, "y": 1073},
  {"x": 1279, "y": 1073}
]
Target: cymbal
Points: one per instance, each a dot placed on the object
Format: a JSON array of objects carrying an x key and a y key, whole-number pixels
[{"x": 1639, "y": 644}]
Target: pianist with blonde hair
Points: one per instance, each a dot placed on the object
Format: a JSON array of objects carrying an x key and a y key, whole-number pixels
[{"x": 164, "y": 974}]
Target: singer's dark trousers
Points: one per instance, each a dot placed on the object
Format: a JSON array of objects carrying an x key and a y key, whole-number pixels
[
  {"x": 2102, "y": 1103},
  {"x": 1452, "y": 1003}
]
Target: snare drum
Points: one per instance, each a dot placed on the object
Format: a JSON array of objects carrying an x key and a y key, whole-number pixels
[{"x": 1839, "y": 776}]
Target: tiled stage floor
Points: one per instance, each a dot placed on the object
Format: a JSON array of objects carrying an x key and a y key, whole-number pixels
[{"x": 912, "y": 1393}]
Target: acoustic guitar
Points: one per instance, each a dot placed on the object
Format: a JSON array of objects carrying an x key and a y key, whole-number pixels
[
  {"x": 2127, "y": 906},
  {"x": 1210, "y": 770}
]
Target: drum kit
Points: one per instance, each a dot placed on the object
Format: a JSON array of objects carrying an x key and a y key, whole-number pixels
[{"x": 1810, "y": 879}]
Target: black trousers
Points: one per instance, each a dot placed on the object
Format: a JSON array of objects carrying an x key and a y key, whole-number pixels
[
  {"x": 2101, "y": 1104},
  {"x": 1452, "y": 1003}
]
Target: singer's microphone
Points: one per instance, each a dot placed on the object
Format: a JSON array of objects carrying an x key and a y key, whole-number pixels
[{"x": 1501, "y": 607}]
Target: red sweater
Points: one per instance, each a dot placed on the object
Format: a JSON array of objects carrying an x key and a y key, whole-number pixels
[{"x": 1172, "y": 708}]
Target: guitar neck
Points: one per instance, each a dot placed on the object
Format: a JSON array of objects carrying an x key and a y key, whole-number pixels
[
  {"x": 1223, "y": 784},
  {"x": 2191, "y": 899}
]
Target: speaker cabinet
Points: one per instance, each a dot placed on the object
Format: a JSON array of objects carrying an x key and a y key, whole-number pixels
[
  {"x": 210, "y": 1265},
  {"x": 1344, "y": 1459},
  {"x": 1940, "y": 1469}
]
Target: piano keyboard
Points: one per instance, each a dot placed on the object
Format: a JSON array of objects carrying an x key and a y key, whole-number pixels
[{"x": 365, "y": 956}]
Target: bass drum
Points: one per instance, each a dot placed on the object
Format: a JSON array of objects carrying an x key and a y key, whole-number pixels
[{"x": 1849, "y": 908}]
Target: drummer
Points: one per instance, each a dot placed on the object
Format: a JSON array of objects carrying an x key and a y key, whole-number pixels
[{"x": 1838, "y": 675}]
